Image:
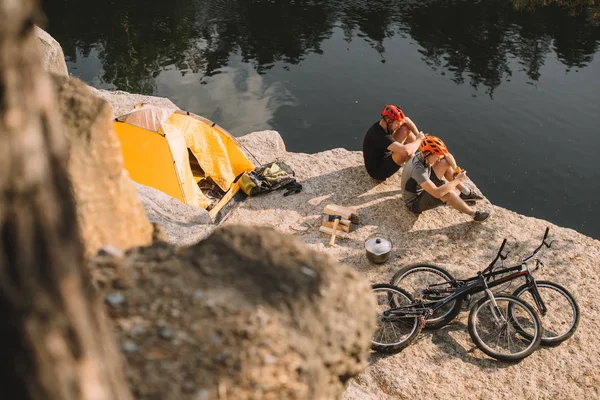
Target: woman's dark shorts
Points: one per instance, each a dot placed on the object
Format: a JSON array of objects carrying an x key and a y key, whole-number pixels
[{"x": 387, "y": 168}]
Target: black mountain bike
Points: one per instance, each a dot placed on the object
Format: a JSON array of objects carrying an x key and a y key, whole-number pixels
[
  {"x": 503, "y": 326},
  {"x": 557, "y": 308}
]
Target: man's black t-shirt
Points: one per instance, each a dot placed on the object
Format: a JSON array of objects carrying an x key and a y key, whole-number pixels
[{"x": 375, "y": 149}]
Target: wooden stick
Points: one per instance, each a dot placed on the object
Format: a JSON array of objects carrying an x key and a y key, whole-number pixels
[
  {"x": 333, "y": 209},
  {"x": 332, "y": 240},
  {"x": 330, "y": 219},
  {"x": 328, "y": 231},
  {"x": 340, "y": 228}
]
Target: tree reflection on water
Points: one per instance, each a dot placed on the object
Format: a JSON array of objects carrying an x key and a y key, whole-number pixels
[{"x": 473, "y": 41}]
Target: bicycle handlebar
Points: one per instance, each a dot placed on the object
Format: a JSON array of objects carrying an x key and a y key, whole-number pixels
[
  {"x": 544, "y": 243},
  {"x": 499, "y": 255},
  {"x": 526, "y": 259}
]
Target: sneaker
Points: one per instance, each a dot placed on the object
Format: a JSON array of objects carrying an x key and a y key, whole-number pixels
[
  {"x": 471, "y": 196},
  {"x": 480, "y": 216}
]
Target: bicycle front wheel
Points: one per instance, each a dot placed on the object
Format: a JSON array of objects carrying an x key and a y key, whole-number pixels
[
  {"x": 562, "y": 315},
  {"x": 416, "y": 278},
  {"x": 395, "y": 332},
  {"x": 510, "y": 331}
]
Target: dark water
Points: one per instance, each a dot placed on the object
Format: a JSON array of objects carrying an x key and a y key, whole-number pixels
[{"x": 513, "y": 88}]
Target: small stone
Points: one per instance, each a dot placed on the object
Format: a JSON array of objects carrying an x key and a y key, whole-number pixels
[
  {"x": 115, "y": 299},
  {"x": 198, "y": 294},
  {"x": 137, "y": 331},
  {"x": 130, "y": 347},
  {"x": 165, "y": 333},
  {"x": 270, "y": 359},
  {"x": 202, "y": 394},
  {"x": 308, "y": 271},
  {"x": 111, "y": 251},
  {"x": 188, "y": 386},
  {"x": 161, "y": 323},
  {"x": 216, "y": 340}
]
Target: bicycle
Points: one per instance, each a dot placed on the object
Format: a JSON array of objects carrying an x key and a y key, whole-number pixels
[
  {"x": 503, "y": 326},
  {"x": 557, "y": 308}
]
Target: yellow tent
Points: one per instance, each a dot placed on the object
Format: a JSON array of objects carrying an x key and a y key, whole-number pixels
[{"x": 160, "y": 147}]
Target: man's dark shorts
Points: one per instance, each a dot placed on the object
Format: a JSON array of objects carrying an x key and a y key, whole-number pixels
[
  {"x": 387, "y": 168},
  {"x": 425, "y": 201}
]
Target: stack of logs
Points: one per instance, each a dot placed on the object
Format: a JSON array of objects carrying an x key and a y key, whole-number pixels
[{"x": 337, "y": 221}]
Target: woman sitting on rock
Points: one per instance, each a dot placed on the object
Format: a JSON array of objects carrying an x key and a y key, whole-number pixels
[{"x": 424, "y": 186}]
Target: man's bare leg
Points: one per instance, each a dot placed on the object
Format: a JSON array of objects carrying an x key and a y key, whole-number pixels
[
  {"x": 403, "y": 134},
  {"x": 400, "y": 158}
]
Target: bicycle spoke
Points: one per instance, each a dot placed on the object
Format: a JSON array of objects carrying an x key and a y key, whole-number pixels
[
  {"x": 426, "y": 283},
  {"x": 562, "y": 315},
  {"x": 504, "y": 339},
  {"x": 392, "y": 331}
]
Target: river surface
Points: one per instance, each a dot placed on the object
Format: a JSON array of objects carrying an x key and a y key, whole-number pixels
[{"x": 512, "y": 87}]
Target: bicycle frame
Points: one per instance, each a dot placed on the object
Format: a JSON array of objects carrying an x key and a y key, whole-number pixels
[
  {"x": 480, "y": 283},
  {"x": 472, "y": 286}
]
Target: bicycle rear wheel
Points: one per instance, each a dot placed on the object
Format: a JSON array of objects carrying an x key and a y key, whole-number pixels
[
  {"x": 562, "y": 316},
  {"x": 498, "y": 332},
  {"x": 393, "y": 333},
  {"x": 416, "y": 278}
]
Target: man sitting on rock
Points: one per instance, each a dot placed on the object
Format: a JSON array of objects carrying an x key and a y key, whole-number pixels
[
  {"x": 391, "y": 142},
  {"x": 424, "y": 185}
]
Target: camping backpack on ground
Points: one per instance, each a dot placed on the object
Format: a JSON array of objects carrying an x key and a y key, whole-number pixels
[{"x": 270, "y": 177}]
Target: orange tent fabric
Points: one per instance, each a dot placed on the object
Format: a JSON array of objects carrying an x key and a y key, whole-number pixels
[{"x": 157, "y": 144}]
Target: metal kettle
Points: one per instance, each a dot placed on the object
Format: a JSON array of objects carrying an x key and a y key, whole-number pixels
[{"x": 378, "y": 248}]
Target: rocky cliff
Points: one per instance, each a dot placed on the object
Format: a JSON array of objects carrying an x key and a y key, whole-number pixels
[{"x": 443, "y": 364}]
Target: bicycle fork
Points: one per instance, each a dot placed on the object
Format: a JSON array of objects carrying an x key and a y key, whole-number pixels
[
  {"x": 498, "y": 316},
  {"x": 537, "y": 297}
]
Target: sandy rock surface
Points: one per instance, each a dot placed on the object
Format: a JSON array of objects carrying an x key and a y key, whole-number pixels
[
  {"x": 108, "y": 209},
  {"x": 245, "y": 314},
  {"x": 53, "y": 58},
  {"x": 442, "y": 364},
  {"x": 262, "y": 147},
  {"x": 181, "y": 223},
  {"x": 123, "y": 102},
  {"x": 445, "y": 362},
  {"x": 184, "y": 224}
]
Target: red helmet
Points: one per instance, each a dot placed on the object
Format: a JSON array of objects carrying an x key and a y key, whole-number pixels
[
  {"x": 433, "y": 145},
  {"x": 392, "y": 112}
]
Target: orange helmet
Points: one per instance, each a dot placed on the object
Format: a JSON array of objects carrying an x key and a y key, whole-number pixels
[
  {"x": 392, "y": 112},
  {"x": 433, "y": 145}
]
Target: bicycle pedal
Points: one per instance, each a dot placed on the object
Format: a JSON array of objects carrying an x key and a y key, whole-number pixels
[
  {"x": 467, "y": 302},
  {"x": 421, "y": 322}
]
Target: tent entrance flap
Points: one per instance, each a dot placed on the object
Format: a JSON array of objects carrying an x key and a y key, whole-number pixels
[{"x": 148, "y": 159}]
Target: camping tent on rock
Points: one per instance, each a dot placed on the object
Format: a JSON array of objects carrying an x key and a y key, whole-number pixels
[{"x": 174, "y": 151}]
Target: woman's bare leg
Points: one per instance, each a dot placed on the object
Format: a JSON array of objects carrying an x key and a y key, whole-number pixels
[{"x": 457, "y": 203}]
